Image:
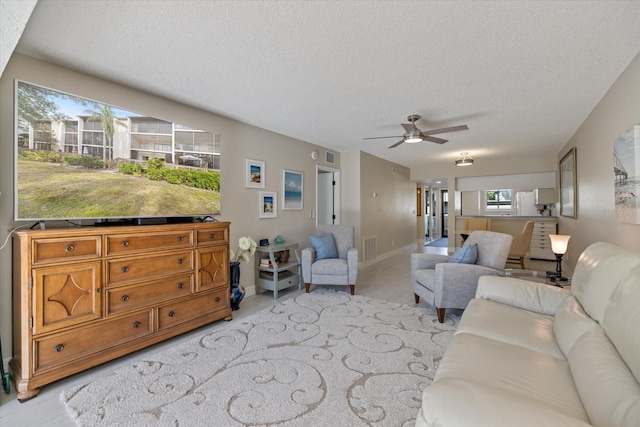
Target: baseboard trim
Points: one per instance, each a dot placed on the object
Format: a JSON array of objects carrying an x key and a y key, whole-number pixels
[{"x": 378, "y": 258}]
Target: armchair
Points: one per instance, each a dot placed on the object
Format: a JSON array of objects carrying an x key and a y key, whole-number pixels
[
  {"x": 445, "y": 284},
  {"x": 342, "y": 270}
]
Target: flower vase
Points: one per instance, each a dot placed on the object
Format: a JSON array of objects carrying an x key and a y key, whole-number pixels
[{"x": 236, "y": 290}]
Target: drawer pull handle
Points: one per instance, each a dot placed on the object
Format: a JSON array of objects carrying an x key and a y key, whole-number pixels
[
  {"x": 171, "y": 313},
  {"x": 180, "y": 261},
  {"x": 124, "y": 244},
  {"x": 59, "y": 348},
  {"x": 217, "y": 299},
  {"x": 99, "y": 290},
  {"x": 180, "y": 285},
  {"x": 125, "y": 298},
  {"x": 180, "y": 238},
  {"x": 69, "y": 248},
  {"x": 212, "y": 235},
  {"x": 125, "y": 269},
  {"x": 137, "y": 324}
]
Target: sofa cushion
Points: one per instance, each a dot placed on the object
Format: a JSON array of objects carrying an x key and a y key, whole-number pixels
[
  {"x": 570, "y": 323},
  {"x": 325, "y": 246},
  {"x": 465, "y": 255},
  {"x": 510, "y": 325},
  {"x": 457, "y": 402},
  {"x": 331, "y": 266},
  {"x": 544, "y": 380},
  {"x": 599, "y": 270},
  {"x": 610, "y": 394}
]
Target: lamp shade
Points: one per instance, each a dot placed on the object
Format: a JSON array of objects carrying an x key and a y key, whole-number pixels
[{"x": 559, "y": 243}]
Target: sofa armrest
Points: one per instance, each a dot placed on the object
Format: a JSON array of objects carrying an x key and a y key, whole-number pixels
[
  {"x": 525, "y": 294},
  {"x": 307, "y": 257}
]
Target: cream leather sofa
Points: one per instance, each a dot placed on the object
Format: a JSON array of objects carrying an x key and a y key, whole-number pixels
[{"x": 531, "y": 354}]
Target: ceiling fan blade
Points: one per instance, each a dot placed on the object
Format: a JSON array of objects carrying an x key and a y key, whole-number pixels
[
  {"x": 443, "y": 130},
  {"x": 381, "y": 137},
  {"x": 408, "y": 127},
  {"x": 434, "y": 139},
  {"x": 397, "y": 143}
]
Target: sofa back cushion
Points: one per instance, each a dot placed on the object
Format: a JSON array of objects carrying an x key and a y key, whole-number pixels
[
  {"x": 570, "y": 323},
  {"x": 598, "y": 271},
  {"x": 622, "y": 321},
  {"x": 609, "y": 392}
]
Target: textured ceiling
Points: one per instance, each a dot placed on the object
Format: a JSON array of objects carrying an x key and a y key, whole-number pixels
[{"x": 522, "y": 75}]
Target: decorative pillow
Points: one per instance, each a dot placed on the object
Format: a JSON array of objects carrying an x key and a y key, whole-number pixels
[
  {"x": 466, "y": 255},
  {"x": 325, "y": 246}
]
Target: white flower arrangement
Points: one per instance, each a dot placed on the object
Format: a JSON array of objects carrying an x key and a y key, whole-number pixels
[{"x": 246, "y": 246}]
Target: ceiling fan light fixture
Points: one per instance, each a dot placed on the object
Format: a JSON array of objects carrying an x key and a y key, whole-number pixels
[
  {"x": 412, "y": 139},
  {"x": 464, "y": 160}
]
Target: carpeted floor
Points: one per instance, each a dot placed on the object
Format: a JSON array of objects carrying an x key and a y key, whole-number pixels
[{"x": 324, "y": 358}]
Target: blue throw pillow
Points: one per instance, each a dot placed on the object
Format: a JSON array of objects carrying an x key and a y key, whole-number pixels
[
  {"x": 325, "y": 246},
  {"x": 466, "y": 255}
]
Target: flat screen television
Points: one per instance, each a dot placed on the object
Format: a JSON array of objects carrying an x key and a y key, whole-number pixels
[{"x": 79, "y": 159}]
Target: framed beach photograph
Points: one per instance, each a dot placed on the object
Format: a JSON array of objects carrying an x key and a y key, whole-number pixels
[
  {"x": 256, "y": 174},
  {"x": 268, "y": 204},
  {"x": 568, "y": 189},
  {"x": 292, "y": 190}
]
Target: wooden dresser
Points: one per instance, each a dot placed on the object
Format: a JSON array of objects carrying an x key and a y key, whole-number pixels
[{"x": 83, "y": 296}]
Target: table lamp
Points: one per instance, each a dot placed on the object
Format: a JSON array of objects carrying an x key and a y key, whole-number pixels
[{"x": 559, "y": 243}]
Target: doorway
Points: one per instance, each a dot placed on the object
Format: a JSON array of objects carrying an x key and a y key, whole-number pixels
[{"x": 327, "y": 195}]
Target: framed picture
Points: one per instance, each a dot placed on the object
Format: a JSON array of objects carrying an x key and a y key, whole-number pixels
[
  {"x": 568, "y": 188},
  {"x": 268, "y": 204},
  {"x": 256, "y": 174},
  {"x": 626, "y": 171},
  {"x": 292, "y": 190}
]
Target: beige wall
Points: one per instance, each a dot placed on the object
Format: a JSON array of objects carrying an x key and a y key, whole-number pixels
[
  {"x": 390, "y": 215},
  {"x": 618, "y": 110}
]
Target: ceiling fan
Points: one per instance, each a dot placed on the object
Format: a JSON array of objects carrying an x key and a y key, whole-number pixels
[{"x": 413, "y": 134}]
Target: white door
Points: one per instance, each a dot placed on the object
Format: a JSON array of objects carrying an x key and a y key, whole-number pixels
[{"x": 327, "y": 196}]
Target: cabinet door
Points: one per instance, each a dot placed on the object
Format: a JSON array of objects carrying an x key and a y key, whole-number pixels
[
  {"x": 66, "y": 295},
  {"x": 213, "y": 268}
]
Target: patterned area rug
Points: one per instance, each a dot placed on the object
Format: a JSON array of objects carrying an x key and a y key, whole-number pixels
[{"x": 324, "y": 358}]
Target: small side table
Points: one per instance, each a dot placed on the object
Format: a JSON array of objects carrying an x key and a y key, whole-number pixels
[{"x": 278, "y": 276}]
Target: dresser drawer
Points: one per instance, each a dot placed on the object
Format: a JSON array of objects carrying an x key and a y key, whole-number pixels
[
  {"x": 212, "y": 236},
  {"x": 129, "y": 297},
  {"x": 49, "y": 250},
  {"x": 178, "y": 312},
  {"x": 121, "y": 270},
  {"x": 130, "y": 243},
  {"x": 59, "y": 348}
]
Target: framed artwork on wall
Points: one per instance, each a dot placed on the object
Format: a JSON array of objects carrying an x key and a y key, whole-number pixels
[
  {"x": 292, "y": 190},
  {"x": 256, "y": 174},
  {"x": 568, "y": 185},
  {"x": 626, "y": 170},
  {"x": 268, "y": 204}
]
